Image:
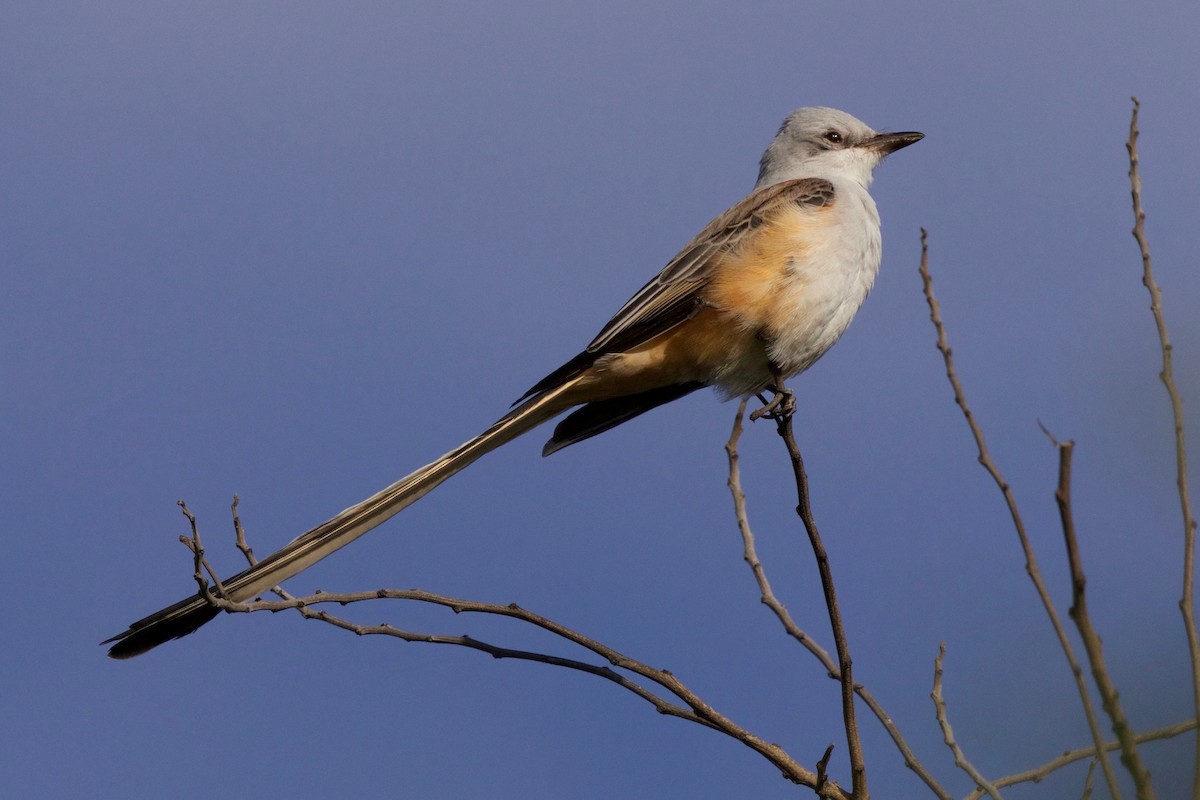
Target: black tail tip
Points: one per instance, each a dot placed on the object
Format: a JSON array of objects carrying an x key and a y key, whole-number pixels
[{"x": 157, "y": 629}]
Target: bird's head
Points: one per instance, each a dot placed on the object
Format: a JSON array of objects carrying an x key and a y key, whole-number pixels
[{"x": 823, "y": 142}]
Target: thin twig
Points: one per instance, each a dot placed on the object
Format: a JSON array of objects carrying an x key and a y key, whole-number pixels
[
  {"x": 199, "y": 564},
  {"x": 750, "y": 555},
  {"x": 822, "y": 768},
  {"x": 943, "y": 718},
  {"x": 1087, "y": 632},
  {"x": 1031, "y": 565},
  {"x": 1167, "y": 375},
  {"x": 694, "y": 709},
  {"x": 783, "y": 411},
  {"x": 1087, "y": 780},
  {"x": 1040, "y": 773},
  {"x": 240, "y": 534}
]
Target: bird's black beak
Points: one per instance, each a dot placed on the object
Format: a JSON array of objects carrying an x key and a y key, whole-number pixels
[{"x": 885, "y": 143}]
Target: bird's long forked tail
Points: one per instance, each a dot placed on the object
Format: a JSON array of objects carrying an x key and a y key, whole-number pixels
[{"x": 307, "y": 549}]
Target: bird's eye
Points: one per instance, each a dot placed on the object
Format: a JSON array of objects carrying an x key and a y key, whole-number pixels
[{"x": 833, "y": 137}]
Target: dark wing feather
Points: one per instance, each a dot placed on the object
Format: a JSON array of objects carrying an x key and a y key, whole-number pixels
[{"x": 602, "y": 415}]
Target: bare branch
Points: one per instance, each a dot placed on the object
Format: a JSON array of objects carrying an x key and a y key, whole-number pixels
[
  {"x": 240, "y": 534},
  {"x": 1087, "y": 780},
  {"x": 985, "y": 459},
  {"x": 199, "y": 564},
  {"x": 782, "y": 410},
  {"x": 1167, "y": 375},
  {"x": 694, "y": 708},
  {"x": 943, "y": 718},
  {"x": 1091, "y": 640},
  {"x": 750, "y": 555},
  {"x": 1071, "y": 756},
  {"x": 822, "y": 766}
]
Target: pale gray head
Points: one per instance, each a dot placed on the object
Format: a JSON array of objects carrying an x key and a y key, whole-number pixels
[{"x": 826, "y": 143}]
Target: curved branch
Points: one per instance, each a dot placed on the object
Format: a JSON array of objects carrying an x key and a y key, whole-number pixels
[
  {"x": 1037, "y": 774},
  {"x": 694, "y": 708}
]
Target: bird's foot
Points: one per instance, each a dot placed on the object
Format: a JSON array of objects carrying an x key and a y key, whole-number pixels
[{"x": 782, "y": 404}]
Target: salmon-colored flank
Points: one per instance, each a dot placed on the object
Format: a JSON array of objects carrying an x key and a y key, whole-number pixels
[{"x": 746, "y": 299}]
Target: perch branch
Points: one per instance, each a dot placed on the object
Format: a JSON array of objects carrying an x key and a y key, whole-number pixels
[
  {"x": 782, "y": 410},
  {"x": 769, "y": 599}
]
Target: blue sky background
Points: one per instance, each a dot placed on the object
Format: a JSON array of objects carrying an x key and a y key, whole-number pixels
[{"x": 293, "y": 250}]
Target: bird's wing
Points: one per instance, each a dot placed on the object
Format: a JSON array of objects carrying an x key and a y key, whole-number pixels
[{"x": 676, "y": 293}]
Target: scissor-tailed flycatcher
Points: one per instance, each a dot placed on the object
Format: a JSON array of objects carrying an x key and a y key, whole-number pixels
[{"x": 764, "y": 290}]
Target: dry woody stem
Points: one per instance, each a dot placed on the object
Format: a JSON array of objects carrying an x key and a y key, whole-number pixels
[
  {"x": 687, "y": 705},
  {"x": 1130, "y": 756},
  {"x": 771, "y": 601},
  {"x": 1187, "y": 602},
  {"x": 782, "y": 410},
  {"x": 1031, "y": 565},
  {"x": 1040, "y": 773},
  {"x": 943, "y": 718}
]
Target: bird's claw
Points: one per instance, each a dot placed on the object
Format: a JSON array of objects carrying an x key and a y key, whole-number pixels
[{"x": 782, "y": 404}]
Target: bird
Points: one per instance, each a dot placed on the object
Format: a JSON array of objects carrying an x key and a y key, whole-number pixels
[{"x": 756, "y": 297}]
